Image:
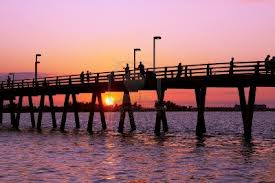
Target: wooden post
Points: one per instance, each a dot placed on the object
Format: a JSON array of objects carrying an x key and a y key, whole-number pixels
[
  {"x": 126, "y": 107},
  {"x": 250, "y": 111},
  {"x": 247, "y": 109},
  {"x": 161, "y": 114},
  {"x": 12, "y": 112},
  {"x": 75, "y": 108},
  {"x": 91, "y": 115},
  {"x": 52, "y": 111},
  {"x": 242, "y": 104},
  {"x": 31, "y": 111},
  {"x": 64, "y": 114},
  {"x": 1, "y": 110},
  {"x": 200, "y": 99},
  {"x": 40, "y": 112},
  {"x": 19, "y": 107},
  {"x": 101, "y": 110}
]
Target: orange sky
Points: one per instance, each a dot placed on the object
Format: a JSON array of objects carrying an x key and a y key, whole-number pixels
[{"x": 100, "y": 35}]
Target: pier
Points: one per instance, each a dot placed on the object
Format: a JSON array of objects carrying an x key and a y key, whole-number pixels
[{"x": 198, "y": 77}]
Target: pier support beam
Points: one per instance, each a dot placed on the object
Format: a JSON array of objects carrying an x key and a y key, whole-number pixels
[
  {"x": 64, "y": 114},
  {"x": 247, "y": 109},
  {"x": 75, "y": 108},
  {"x": 40, "y": 112},
  {"x": 19, "y": 107},
  {"x": 101, "y": 111},
  {"x": 12, "y": 112},
  {"x": 91, "y": 114},
  {"x": 31, "y": 111},
  {"x": 160, "y": 107},
  {"x": 200, "y": 100},
  {"x": 1, "y": 110},
  {"x": 65, "y": 110},
  {"x": 52, "y": 111},
  {"x": 126, "y": 107}
]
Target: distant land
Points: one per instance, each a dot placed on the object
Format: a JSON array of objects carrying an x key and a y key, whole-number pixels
[{"x": 170, "y": 106}]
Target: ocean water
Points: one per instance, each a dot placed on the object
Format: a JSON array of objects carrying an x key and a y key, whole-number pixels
[{"x": 107, "y": 156}]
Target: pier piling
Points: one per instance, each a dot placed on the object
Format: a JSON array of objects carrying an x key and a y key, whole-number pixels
[
  {"x": 40, "y": 112},
  {"x": 126, "y": 107},
  {"x": 200, "y": 100},
  {"x": 75, "y": 108},
  {"x": 64, "y": 114},
  {"x": 247, "y": 109},
  {"x": 31, "y": 111},
  {"x": 1, "y": 110},
  {"x": 52, "y": 111},
  {"x": 101, "y": 111},
  {"x": 160, "y": 107},
  {"x": 12, "y": 112},
  {"x": 19, "y": 107}
]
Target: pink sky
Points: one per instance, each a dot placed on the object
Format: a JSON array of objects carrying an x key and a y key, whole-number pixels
[{"x": 100, "y": 35}]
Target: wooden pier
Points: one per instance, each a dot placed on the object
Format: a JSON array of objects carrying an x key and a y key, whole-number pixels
[{"x": 239, "y": 75}]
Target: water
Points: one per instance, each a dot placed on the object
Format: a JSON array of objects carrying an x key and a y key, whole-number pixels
[{"x": 75, "y": 156}]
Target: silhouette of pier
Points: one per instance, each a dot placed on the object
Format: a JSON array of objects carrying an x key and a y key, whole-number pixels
[{"x": 199, "y": 77}]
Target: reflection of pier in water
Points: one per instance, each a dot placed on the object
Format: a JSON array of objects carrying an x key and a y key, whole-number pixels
[{"x": 198, "y": 77}]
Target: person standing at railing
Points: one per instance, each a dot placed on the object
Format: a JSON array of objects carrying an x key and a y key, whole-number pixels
[
  {"x": 231, "y": 69},
  {"x": 272, "y": 64},
  {"x": 88, "y": 76},
  {"x": 180, "y": 69},
  {"x": 127, "y": 72},
  {"x": 141, "y": 70},
  {"x": 8, "y": 82},
  {"x": 82, "y": 77}
]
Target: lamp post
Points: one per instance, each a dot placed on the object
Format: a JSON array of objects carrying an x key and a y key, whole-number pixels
[
  {"x": 35, "y": 68},
  {"x": 154, "y": 51},
  {"x": 135, "y": 50}
]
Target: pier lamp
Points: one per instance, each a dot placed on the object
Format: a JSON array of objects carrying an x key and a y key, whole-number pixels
[
  {"x": 154, "y": 51},
  {"x": 135, "y": 50},
  {"x": 35, "y": 68}
]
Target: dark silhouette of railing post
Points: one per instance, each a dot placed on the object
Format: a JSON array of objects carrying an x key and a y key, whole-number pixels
[
  {"x": 200, "y": 100},
  {"x": 126, "y": 107},
  {"x": 186, "y": 71},
  {"x": 165, "y": 72}
]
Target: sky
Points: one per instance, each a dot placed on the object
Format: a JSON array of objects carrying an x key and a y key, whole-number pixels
[{"x": 100, "y": 35}]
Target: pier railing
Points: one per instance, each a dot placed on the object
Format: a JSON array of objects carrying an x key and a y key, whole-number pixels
[{"x": 188, "y": 71}]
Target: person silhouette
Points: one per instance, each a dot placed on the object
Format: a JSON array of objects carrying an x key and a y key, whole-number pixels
[
  {"x": 180, "y": 68},
  {"x": 127, "y": 72},
  {"x": 141, "y": 70},
  {"x": 88, "y": 76},
  {"x": 8, "y": 81},
  {"x": 267, "y": 64},
  {"x": 231, "y": 69},
  {"x": 82, "y": 77}
]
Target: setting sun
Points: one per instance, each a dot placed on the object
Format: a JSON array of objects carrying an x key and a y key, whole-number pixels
[{"x": 109, "y": 100}]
